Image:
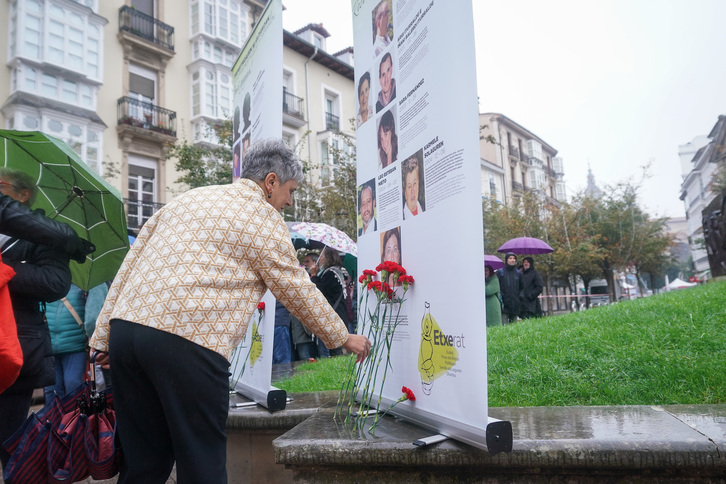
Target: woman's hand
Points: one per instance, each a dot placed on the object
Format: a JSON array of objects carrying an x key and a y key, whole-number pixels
[
  {"x": 358, "y": 344},
  {"x": 101, "y": 358}
]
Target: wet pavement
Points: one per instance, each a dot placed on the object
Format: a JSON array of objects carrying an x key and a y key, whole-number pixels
[{"x": 678, "y": 443}]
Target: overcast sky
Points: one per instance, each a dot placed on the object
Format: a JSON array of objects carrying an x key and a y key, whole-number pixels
[{"x": 613, "y": 84}]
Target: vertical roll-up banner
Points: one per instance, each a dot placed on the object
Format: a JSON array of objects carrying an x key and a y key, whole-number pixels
[
  {"x": 257, "y": 114},
  {"x": 417, "y": 145},
  {"x": 257, "y": 83}
]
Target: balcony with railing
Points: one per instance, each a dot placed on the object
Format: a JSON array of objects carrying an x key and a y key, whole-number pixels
[
  {"x": 138, "y": 212},
  {"x": 145, "y": 27},
  {"x": 146, "y": 119},
  {"x": 534, "y": 161},
  {"x": 514, "y": 152},
  {"x": 293, "y": 110},
  {"x": 517, "y": 187},
  {"x": 332, "y": 122}
]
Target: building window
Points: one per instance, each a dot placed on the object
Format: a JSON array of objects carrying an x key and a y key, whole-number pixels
[
  {"x": 492, "y": 187},
  {"x": 142, "y": 87},
  {"x": 195, "y": 18},
  {"x": 331, "y": 109},
  {"x": 560, "y": 193},
  {"x": 142, "y": 192},
  {"x": 30, "y": 79},
  {"x": 536, "y": 179},
  {"x": 81, "y": 136},
  {"x": 31, "y": 36},
  {"x": 209, "y": 18},
  {"x": 534, "y": 149},
  {"x": 290, "y": 139},
  {"x": 210, "y": 94},
  {"x": 225, "y": 19},
  {"x": 196, "y": 94},
  {"x": 65, "y": 39},
  {"x": 216, "y": 91},
  {"x": 324, "y": 163},
  {"x": 50, "y": 86},
  {"x": 70, "y": 92}
]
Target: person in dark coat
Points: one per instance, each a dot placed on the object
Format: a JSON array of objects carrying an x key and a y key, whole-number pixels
[
  {"x": 19, "y": 221},
  {"x": 331, "y": 282},
  {"x": 533, "y": 285},
  {"x": 41, "y": 275},
  {"x": 511, "y": 288}
]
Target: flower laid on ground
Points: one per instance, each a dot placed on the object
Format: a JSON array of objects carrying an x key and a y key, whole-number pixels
[
  {"x": 407, "y": 395},
  {"x": 380, "y": 310}
]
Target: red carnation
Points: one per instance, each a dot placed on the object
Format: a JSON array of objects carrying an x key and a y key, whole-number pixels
[{"x": 261, "y": 306}]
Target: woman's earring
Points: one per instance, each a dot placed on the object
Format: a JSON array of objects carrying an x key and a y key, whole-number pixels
[{"x": 269, "y": 195}]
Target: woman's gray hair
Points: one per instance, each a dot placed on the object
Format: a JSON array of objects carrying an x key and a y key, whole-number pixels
[
  {"x": 20, "y": 181},
  {"x": 271, "y": 156}
]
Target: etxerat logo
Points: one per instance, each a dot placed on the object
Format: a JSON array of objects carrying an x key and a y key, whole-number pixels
[{"x": 438, "y": 351}]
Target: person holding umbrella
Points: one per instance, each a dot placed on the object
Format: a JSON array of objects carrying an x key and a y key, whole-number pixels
[
  {"x": 42, "y": 275},
  {"x": 331, "y": 282},
  {"x": 18, "y": 220},
  {"x": 533, "y": 284},
  {"x": 511, "y": 287},
  {"x": 181, "y": 303}
]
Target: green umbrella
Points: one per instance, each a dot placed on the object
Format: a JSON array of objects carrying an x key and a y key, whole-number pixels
[{"x": 69, "y": 191}]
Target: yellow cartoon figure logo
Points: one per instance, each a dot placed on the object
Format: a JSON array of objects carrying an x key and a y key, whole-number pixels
[
  {"x": 256, "y": 346},
  {"x": 435, "y": 355}
]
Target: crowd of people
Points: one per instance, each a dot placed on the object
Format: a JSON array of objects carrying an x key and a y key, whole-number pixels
[
  {"x": 293, "y": 340},
  {"x": 200, "y": 318},
  {"x": 167, "y": 325},
  {"x": 512, "y": 292}
]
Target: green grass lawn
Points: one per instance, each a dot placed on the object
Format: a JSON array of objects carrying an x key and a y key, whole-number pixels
[{"x": 665, "y": 349}]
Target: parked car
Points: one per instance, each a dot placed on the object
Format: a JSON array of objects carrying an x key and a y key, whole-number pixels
[{"x": 598, "y": 292}]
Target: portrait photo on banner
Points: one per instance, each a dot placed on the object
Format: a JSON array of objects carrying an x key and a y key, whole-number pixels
[
  {"x": 382, "y": 22},
  {"x": 391, "y": 248},
  {"x": 365, "y": 110},
  {"x": 386, "y": 81},
  {"x": 387, "y": 139},
  {"x": 412, "y": 185},
  {"x": 367, "y": 208}
]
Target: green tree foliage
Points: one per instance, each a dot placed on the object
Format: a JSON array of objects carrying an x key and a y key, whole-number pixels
[
  {"x": 592, "y": 237},
  {"x": 204, "y": 164},
  {"x": 333, "y": 201},
  {"x": 577, "y": 251}
]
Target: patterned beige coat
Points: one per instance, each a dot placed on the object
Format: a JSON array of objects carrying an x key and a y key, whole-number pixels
[{"x": 201, "y": 264}]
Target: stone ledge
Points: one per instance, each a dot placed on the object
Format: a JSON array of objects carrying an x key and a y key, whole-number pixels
[
  {"x": 302, "y": 406},
  {"x": 679, "y": 443}
]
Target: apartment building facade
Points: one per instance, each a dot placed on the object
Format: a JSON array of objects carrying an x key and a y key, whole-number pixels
[
  {"x": 119, "y": 80},
  {"x": 515, "y": 161},
  {"x": 318, "y": 103},
  {"x": 699, "y": 162}
]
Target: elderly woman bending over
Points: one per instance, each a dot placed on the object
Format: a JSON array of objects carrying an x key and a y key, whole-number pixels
[{"x": 181, "y": 303}]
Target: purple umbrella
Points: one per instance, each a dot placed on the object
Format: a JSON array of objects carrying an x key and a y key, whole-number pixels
[
  {"x": 526, "y": 245},
  {"x": 493, "y": 261}
]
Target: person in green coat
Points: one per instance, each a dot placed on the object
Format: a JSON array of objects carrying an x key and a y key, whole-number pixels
[{"x": 493, "y": 304}]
